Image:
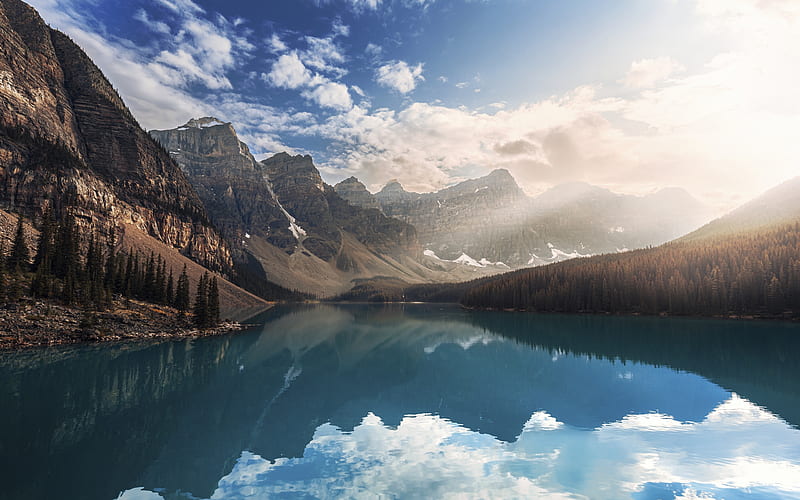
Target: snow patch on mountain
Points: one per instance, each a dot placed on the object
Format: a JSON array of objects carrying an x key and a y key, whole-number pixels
[
  {"x": 556, "y": 255},
  {"x": 466, "y": 260}
]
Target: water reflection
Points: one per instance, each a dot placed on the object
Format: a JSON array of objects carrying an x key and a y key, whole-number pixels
[
  {"x": 736, "y": 449},
  {"x": 357, "y": 400}
]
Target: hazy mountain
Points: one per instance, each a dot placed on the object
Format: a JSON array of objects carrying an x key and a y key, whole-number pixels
[
  {"x": 745, "y": 263},
  {"x": 490, "y": 219},
  {"x": 355, "y": 193},
  {"x": 779, "y": 205}
]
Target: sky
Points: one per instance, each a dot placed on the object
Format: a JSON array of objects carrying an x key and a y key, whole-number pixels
[{"x": 631, "y": 95}]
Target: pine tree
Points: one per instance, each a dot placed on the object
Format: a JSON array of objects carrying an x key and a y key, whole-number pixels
[
  {"x": 43, "y": 261},
  {"x": 201, "y": 302},
  {"x": 213, "y": 302},
  {"x": 160, "y": 281},
  {"x": 2, "y": 272},
  {"x": 149, "y": 293},
  {"x": 19, "y": 260},
  {"x": 65, "y": 258},
  {"x": 111, "y": 270},
  {"x": 182, "y": 292},
  {"x": 169, "y": 291}
]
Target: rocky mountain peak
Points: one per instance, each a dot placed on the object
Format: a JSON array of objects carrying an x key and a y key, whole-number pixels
[
  {"x": 355, "y": 192},
  {"x": 204, "y": 122},
  {"x": 299, "y": 167},
  {"x": 228, "y": 179}
]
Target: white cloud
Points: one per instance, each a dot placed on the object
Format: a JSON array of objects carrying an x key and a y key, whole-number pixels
[
  {"x": 155, "y": 26},
  {"x": 331, "y": 95},
  {"x": 340, "y": 29},
  {"x": 373, "y": 50},
  {"x": 324, "y": 55},
  {"x": 462, "y": 85},
  {"x": 182, "y": 6},
  {"x": 647, "y": 72},
  {"x": 737, "y": 449},
  {"x": 398, "y": 75},
  {"x": 362, "y": 5},
  {"x": 276, "y": 45},
  {"x": 288, "y": 72}
]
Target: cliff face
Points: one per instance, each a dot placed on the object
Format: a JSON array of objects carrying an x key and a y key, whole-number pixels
[
  {"x": 229, "y": 181},
  {"x": 355, "y": 193},
  {"x": 68, "y": 141},
  {"x": 279, "y": 215},
  {"x": 298, "y": 186}
]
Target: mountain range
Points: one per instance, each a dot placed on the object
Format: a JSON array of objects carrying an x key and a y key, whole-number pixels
[{"x": 69, "y": 144}]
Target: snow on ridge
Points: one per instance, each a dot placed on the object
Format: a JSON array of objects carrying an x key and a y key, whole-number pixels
[
  {"x": 298, "y": 232},
  {"x": 556, "y": 255},
  {"x": 209, "y": 123},
  {"x": 466, "y": 260}
]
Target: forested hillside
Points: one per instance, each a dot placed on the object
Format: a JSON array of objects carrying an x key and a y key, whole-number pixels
[{"x": 751, "y": 273}]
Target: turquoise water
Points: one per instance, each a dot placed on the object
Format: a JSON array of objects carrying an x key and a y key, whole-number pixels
[{"x": 412, "y": 401}]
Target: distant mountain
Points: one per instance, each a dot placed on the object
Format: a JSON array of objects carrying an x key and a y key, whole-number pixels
[
  {"x": 284, "y": 220},
  {"x": 355, "y": 193},
  {"x": 746, "y": 263},
  {"x": 69, "y": 143},
  {"x": 779, "y": 205},
  {"x": 490, "y": 220}
]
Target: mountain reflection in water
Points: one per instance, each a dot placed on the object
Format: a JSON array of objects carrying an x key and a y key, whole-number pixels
[{"x": 412, "y": 401}]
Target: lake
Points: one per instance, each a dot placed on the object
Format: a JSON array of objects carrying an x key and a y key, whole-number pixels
[{"x": 411, "y": 401}]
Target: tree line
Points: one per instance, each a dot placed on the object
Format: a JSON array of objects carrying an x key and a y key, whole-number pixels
[
  {"x": 90, "y": 272},
  {"x": 753, "y": 273}
]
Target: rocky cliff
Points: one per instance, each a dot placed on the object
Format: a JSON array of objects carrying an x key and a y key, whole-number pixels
[
  {"x": 67, "y": 141},
  {"x": 355, "y": 193},
  {"x": 283, "y": 220},
  {"x": 229, "y": 181}
]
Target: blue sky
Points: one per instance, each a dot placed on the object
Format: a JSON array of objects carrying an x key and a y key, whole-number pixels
[{"x": 633, "y": 95}]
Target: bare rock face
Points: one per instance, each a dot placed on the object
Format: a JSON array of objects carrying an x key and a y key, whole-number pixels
[
  {"x": 323, "y": 213},
  {"x": 355, "y": 193},
  {"x": 229, "y": 181},
  {"x": 68, "y": 141},
  {"x": 298, "y": 187}
]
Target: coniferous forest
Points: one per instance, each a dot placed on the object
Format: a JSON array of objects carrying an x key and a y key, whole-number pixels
[
  {"x": 89, "y": 272},
  {"x": 753, "y": 273}
]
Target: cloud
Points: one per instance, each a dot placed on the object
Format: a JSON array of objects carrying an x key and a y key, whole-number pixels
[
  {"x": 462, "y": 85},
  {"x": 398, "y": 75},
  {"x": 737, "y": 449},
  {"x": 323, "y": 55},
  {"x": 276, "y": 45},
  {"x": 155, "y": 26},
  {"x": 288, "y": 72},
  {"x": 647, "y": 72},
  {"x": 331, "y": 95},
  {"x": 518, "y": 147},
  {"x": 362, "y": 5},
  {"x": 182, "y": 6}
]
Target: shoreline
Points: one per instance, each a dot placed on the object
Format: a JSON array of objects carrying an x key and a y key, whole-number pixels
[
  {"x": 737, "y": 317},
  {"x": 42, "y": 323}
]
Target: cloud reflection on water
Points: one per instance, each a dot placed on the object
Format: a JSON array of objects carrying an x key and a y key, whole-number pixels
[{"x": 737, "y": 449}]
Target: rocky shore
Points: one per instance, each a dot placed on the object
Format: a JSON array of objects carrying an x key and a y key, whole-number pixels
[{"x": 35, "y": 323}]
